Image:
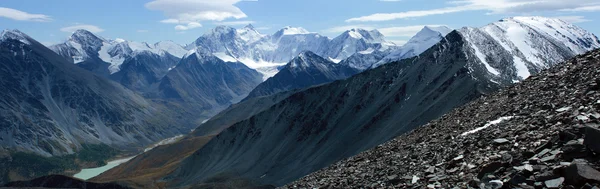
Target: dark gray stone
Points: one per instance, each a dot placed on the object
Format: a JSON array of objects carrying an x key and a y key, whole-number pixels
[
  {"x": 592, "y": 139},
  {"x": 580, "y": 173}
]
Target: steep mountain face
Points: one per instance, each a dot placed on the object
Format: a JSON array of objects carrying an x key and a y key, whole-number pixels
[
  {"x": 250, "y": 34},
  {"x": 318, "y": 126},
  {"x": 418, "y": 44},
  {"x": 307, "y": 69},
  {"x": 223, "y": 39},
  {"x": 51, "y": 107},
  {"x": 143, "y": 70},
  {"x": 353, "y": 41},
  {"x": 541, "y": 132},
  {"x": 105, "y": 57},
  {"x": 83, "y": 49},
  {"x": 365, "y": 59},
  {"x": 514, "y": 48},
  {"x": 145, "y": 169},
  {"x": 287, "y": 43},
  {"x": 206, "y": 83}
]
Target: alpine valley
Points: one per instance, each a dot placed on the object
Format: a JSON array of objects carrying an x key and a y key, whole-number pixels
[{"x": 264, "y": 110}]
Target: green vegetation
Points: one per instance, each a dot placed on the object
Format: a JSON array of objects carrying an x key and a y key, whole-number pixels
[
  {"x": 32, "y": 165},
  {"x": 28, "y": 165},
  {"x": 98, "y": 153}
]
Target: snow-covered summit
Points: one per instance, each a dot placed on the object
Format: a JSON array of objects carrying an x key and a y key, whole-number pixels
[
  {"x": 86, "y": 38},
  {"x": 443, "y": 30},
  {"x": 373, "y": 36},
  {"x": 83, "y": 46},
  {"x": 15, "y": 35},
  {"x": 305, "y": 59},
  {"x": 578, "y": 39},
  {"x": 520, "y": 46},
  {"x": 249, "y": 34},
  {"x": 423, "y": 40},
  {"x": 171, "y": 47},
  {"x": 288, "y": 30}
]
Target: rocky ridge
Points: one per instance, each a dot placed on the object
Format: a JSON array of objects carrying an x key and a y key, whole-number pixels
[{"x": 541, "y": 133}]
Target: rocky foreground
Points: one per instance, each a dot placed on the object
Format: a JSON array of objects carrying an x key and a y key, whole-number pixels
[{"x": 541, "y": 133}]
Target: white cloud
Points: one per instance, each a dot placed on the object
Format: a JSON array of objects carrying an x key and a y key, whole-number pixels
[
  {"x": 188, "y": 14},
  {"x": 23, "y": 16},
  {"x": 235, "y": 23},
  {"x": 142, "y": 31},
  {"x": 170, "y": 21},
  {"x": 91, "y": 28},
  {"x": 493, "y": 7},
  {"x": 188, "y": 26},
  {"x": 340, "y": 29},
  {"x": 408, "y": 14},
  {"x": 592, "y": 8},
  {"x": 403, "y": 31},
  {"x": 573, "y": 19}
]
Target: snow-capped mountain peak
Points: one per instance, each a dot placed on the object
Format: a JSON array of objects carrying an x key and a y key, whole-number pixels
[
  {"x": 82, "y": 36},
  {"x": 304, "y": 60},
  {"x": 427, "y": 37},
  {"x": 288, "y": 30},
  {"x": 575, "y": 37},
  {"x": 443, "y": 30},
  {"x": 222, "y": 30},
  {"x": 171, "y": 47},
  {"x": 423, "y": 40},
  {"x": 83, "y": 46},
  {"x": 249, "y": 34},
  {"x": 15, "y": 35},
  {"x": 355, "y": 33},
  {"x": 250, "y": 27},
  {"x": 520, "y": 46},
  {"x": 373, "y": 36}
]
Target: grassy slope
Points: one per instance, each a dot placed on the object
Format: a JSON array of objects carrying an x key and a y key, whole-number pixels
[{"x": 145, "y": 170}]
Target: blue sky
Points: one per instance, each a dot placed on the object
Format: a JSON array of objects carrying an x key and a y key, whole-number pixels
[{"x": 184, "y": 20}]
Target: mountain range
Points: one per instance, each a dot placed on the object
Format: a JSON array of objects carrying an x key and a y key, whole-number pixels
[
  {"x": 282, "y": 105},
  {"x": 529, "y": 135},
  {"x": 51, "y": 107},
  {"x": 315, "y": 127}
]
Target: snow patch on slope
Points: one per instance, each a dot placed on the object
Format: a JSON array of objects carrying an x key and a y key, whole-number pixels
[
  {"x": 483, "y": 60},
  {"x": 494, "y": 122},
  {"x": 115, "y": 62}
]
